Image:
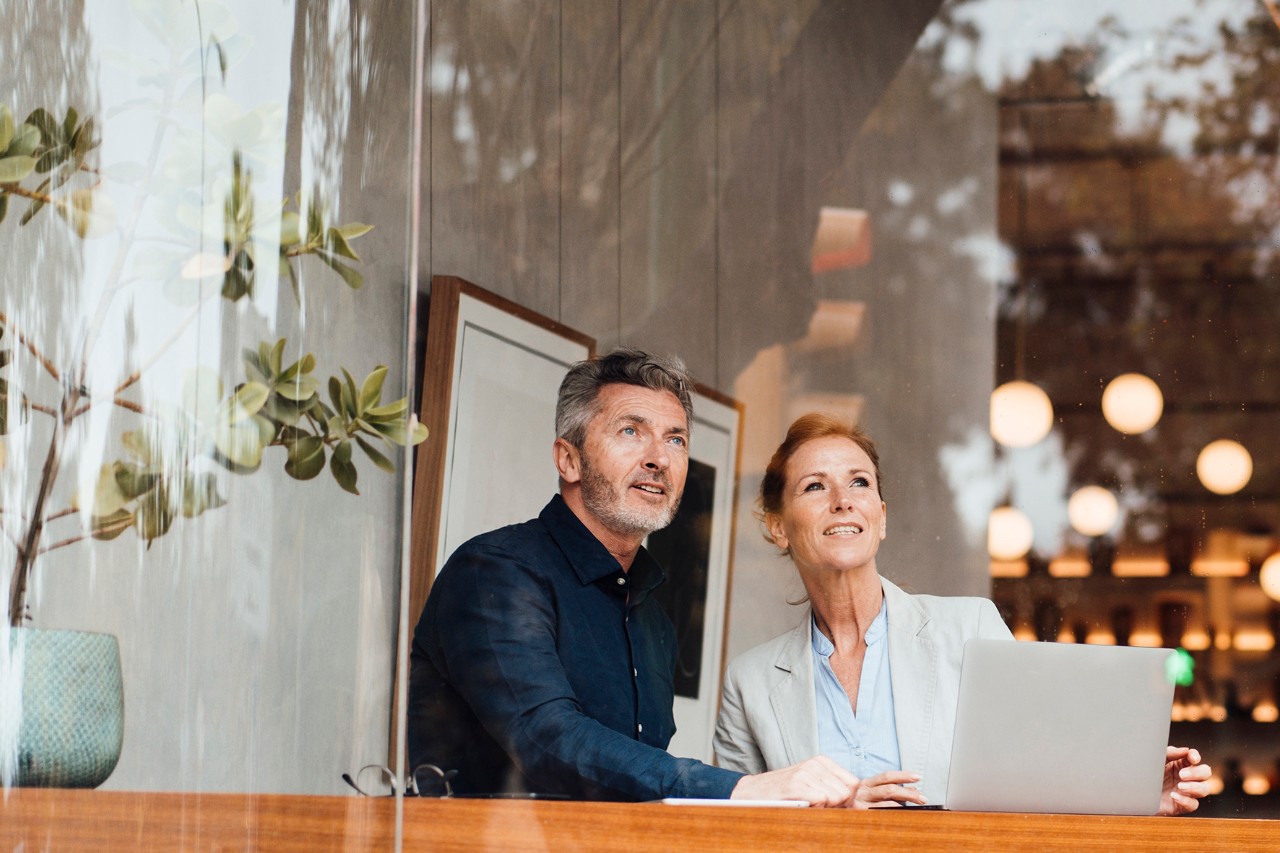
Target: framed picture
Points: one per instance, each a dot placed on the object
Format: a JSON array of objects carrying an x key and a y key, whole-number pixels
[
  {"x": 490, "y": 379},
  {"x": 696, "y": 550}
]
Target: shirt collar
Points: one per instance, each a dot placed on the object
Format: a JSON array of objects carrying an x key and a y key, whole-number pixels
[
  {"x": 874, "y": 634},
  {"x": 589, "y": 557}
]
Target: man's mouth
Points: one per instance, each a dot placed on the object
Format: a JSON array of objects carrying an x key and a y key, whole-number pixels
[
  {"x": 840, "y": 529},
  {"x": 650, "y": 488}
]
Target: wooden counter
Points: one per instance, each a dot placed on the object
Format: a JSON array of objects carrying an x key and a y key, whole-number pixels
[{"x": 101, "y": 820}]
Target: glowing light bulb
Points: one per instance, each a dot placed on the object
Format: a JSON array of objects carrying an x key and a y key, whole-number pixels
[
  {"x": 1132, "y": 403},
  {"x": 1092, "y": 510},
  {"x": 1269, "y": 576},
  {"x": 1009, "y": 534},
  {"x": 1021, "y": 414},
  {"x": 1224, "y": 466}
]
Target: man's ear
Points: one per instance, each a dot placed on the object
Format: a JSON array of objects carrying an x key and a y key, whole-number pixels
[{"x": 568, "y": 461}]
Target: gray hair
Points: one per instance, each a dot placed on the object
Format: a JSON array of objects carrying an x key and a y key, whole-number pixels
[{"x": 579, "y": 396}]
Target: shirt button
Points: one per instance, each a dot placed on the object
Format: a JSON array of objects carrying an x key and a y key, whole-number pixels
[
  {"x": 622, "y": 581},
  {"x": 635, "y": 673},
  {"x": 639, "y": 727}
]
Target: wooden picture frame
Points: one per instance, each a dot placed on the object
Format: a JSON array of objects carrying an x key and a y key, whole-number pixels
[
  {"x": 696, "y": 550},
  {"x": 491, "y": 375}
]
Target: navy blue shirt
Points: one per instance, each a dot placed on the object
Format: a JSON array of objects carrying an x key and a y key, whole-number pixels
[{"x": 539, "y": 665}]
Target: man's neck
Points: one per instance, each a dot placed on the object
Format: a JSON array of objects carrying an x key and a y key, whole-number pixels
[{"x": 623, "y": 548}]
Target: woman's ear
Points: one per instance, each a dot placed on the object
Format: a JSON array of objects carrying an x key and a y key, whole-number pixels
[
  {"x": 884, "y": 520},
  {"x": 773, "y": 524}
]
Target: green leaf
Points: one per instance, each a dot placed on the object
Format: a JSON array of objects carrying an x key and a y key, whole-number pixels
[
  {"x": 338, "y": 244},
  {"x": 69, "y": 123},
  {"x": 154, "y": 514},
  {"x": 6, "y": 127},
  {"x": 376, "y": 456},
  {"x": 306, "y": 458},
  {"x": 350, "y": 396},
  {"x": 335, "y": 392},
  {"x": 267, "y": 429},
  {"x": 26, "y": 139},
  {"x": 286, "y": 271},
  {"x": 14, "y": 169},
  {"x": 420, "y": 433},
  {"x": 134, "y": 482},
  {"x": 248, "y": 400},
  {"x": 108, "y": 527},
  {"x": 82, "y": 140},
  {"x": 199, "y": 493},
  {"x": 290, "y": 229},
  {"x": 238, "y": 446},
  {"x": 108, "y": 499},
  {"x": 343, "y": 469},
  {"x": 353, "y": 278},
  {"x": 390, "y": 410},
  {"x": 46, "y": 124},
  {"x": 53, "y": 158},
  {"x": 4, "y": 205},
  {"x": 300, "y": 389},
  {"x": 352, "y": 230},
  {"x": 277, "y": 357},
  {"x": 371, "y": 388},
  {"x": 89, "y": 215}
]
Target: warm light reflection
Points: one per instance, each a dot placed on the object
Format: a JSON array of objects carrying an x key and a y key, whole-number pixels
[
  {"x": 1024, "y": 634},
  {"x": 842, "y": 241},
  {"x": 1178, "y": 713},
  {"x": 1222, "y": 641},
  {"x": 1100, "y": 637},
  {"x": 1009, "y": 533},
  {"x": 1092, "y": 510},
  {"x": 1021, "y": 414},
  {"x": 1140, "y": 561},
  {"x": 1254, "y": 640},
  {"x": 1218, "y": 712},
  {"x": 1066, "y": 635},
  {"x": 1070, "y": 564},
  {"x": 1224, "y": 466},
  {"x": 1146, "y": 638},
  {"x": 1215, "y": 785},
  {"x": 1132, "y": 403},
  {"x": 1193, "y": 712},
  {"x": 1195, "y": 640},
  {"x": 1266, "y": 712},
  {"x": 1269, "y": 576},
  {"x": 1008, "y": 568},
  {"x": 1256, "y": 784}
]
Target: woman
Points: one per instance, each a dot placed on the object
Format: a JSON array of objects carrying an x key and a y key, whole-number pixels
[{"x": 871, "y": 674}]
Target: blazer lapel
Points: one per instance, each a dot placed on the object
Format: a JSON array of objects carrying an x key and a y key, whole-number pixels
[
  {"x": 913, "y": 667},
  {"x": 794, "y": 706}
]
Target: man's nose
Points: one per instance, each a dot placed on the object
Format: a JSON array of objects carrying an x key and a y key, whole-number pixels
[{"x": 657, "y": 457}]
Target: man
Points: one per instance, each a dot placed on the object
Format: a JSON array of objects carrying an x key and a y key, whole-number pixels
[{"x": 541, "y": 662}]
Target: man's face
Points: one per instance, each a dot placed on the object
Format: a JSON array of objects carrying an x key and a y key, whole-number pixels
[{"x": 635, "y": 459}]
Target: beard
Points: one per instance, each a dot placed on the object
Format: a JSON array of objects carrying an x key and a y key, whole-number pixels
[{"x": 606, "y": 503}]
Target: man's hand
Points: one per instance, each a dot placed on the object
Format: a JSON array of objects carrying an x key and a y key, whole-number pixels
[
  {"x": 889, "y": 789},
  {"x": 1186, "y": 780},
  {"x": 818, "y": 780}
]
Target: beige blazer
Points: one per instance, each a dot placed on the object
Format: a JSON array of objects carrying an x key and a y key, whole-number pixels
[{"x": 768, "y": 713}]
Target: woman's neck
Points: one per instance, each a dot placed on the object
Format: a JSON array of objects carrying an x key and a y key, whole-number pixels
[{"x": 844, "y": 603}]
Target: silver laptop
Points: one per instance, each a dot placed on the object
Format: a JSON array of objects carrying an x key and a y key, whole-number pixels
[{"x": 1060, "y": 728}]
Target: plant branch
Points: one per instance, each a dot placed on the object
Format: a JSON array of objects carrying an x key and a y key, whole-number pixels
[
  {"x": 17, "y": 189},
  {"x": 71, "y": 540},
  {"x": 163, "y": 348},
  {"x": 46, "y": 410},
  {"x": 62, "y": 513},
  {"x": 48, "y": 365}
]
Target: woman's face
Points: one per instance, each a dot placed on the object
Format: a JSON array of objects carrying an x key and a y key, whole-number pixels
[{"x": 832, "y": 517}]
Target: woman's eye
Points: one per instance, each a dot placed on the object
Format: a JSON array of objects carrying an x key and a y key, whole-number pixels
[
  {"x": 813, "y": 487},
  {"x": 861, "y": 481}
]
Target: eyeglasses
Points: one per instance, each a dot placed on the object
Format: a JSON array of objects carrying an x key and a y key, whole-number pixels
[{"x": 426, "y": 780}]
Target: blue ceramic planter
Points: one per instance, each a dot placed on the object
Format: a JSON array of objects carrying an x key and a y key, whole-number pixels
[{"x": 71, "y": 727}]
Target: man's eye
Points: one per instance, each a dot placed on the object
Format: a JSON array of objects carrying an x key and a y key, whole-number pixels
[
  {"x": 678, "y": 440},
  {"x": 628, "y": 430}
]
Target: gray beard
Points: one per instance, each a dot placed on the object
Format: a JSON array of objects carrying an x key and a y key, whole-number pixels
[{"x": 606, "y": 504}]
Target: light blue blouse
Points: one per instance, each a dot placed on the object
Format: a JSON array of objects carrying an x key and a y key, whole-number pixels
[{"x": 865, "y": 743}]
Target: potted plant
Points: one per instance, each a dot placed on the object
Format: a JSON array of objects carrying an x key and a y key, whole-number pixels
[{"x": 60, "y": 693}]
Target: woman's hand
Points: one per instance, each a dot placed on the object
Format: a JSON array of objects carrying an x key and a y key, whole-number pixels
[
  {"x": 889, "y": 789},
  {"x": 1186, "y": 780}
]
